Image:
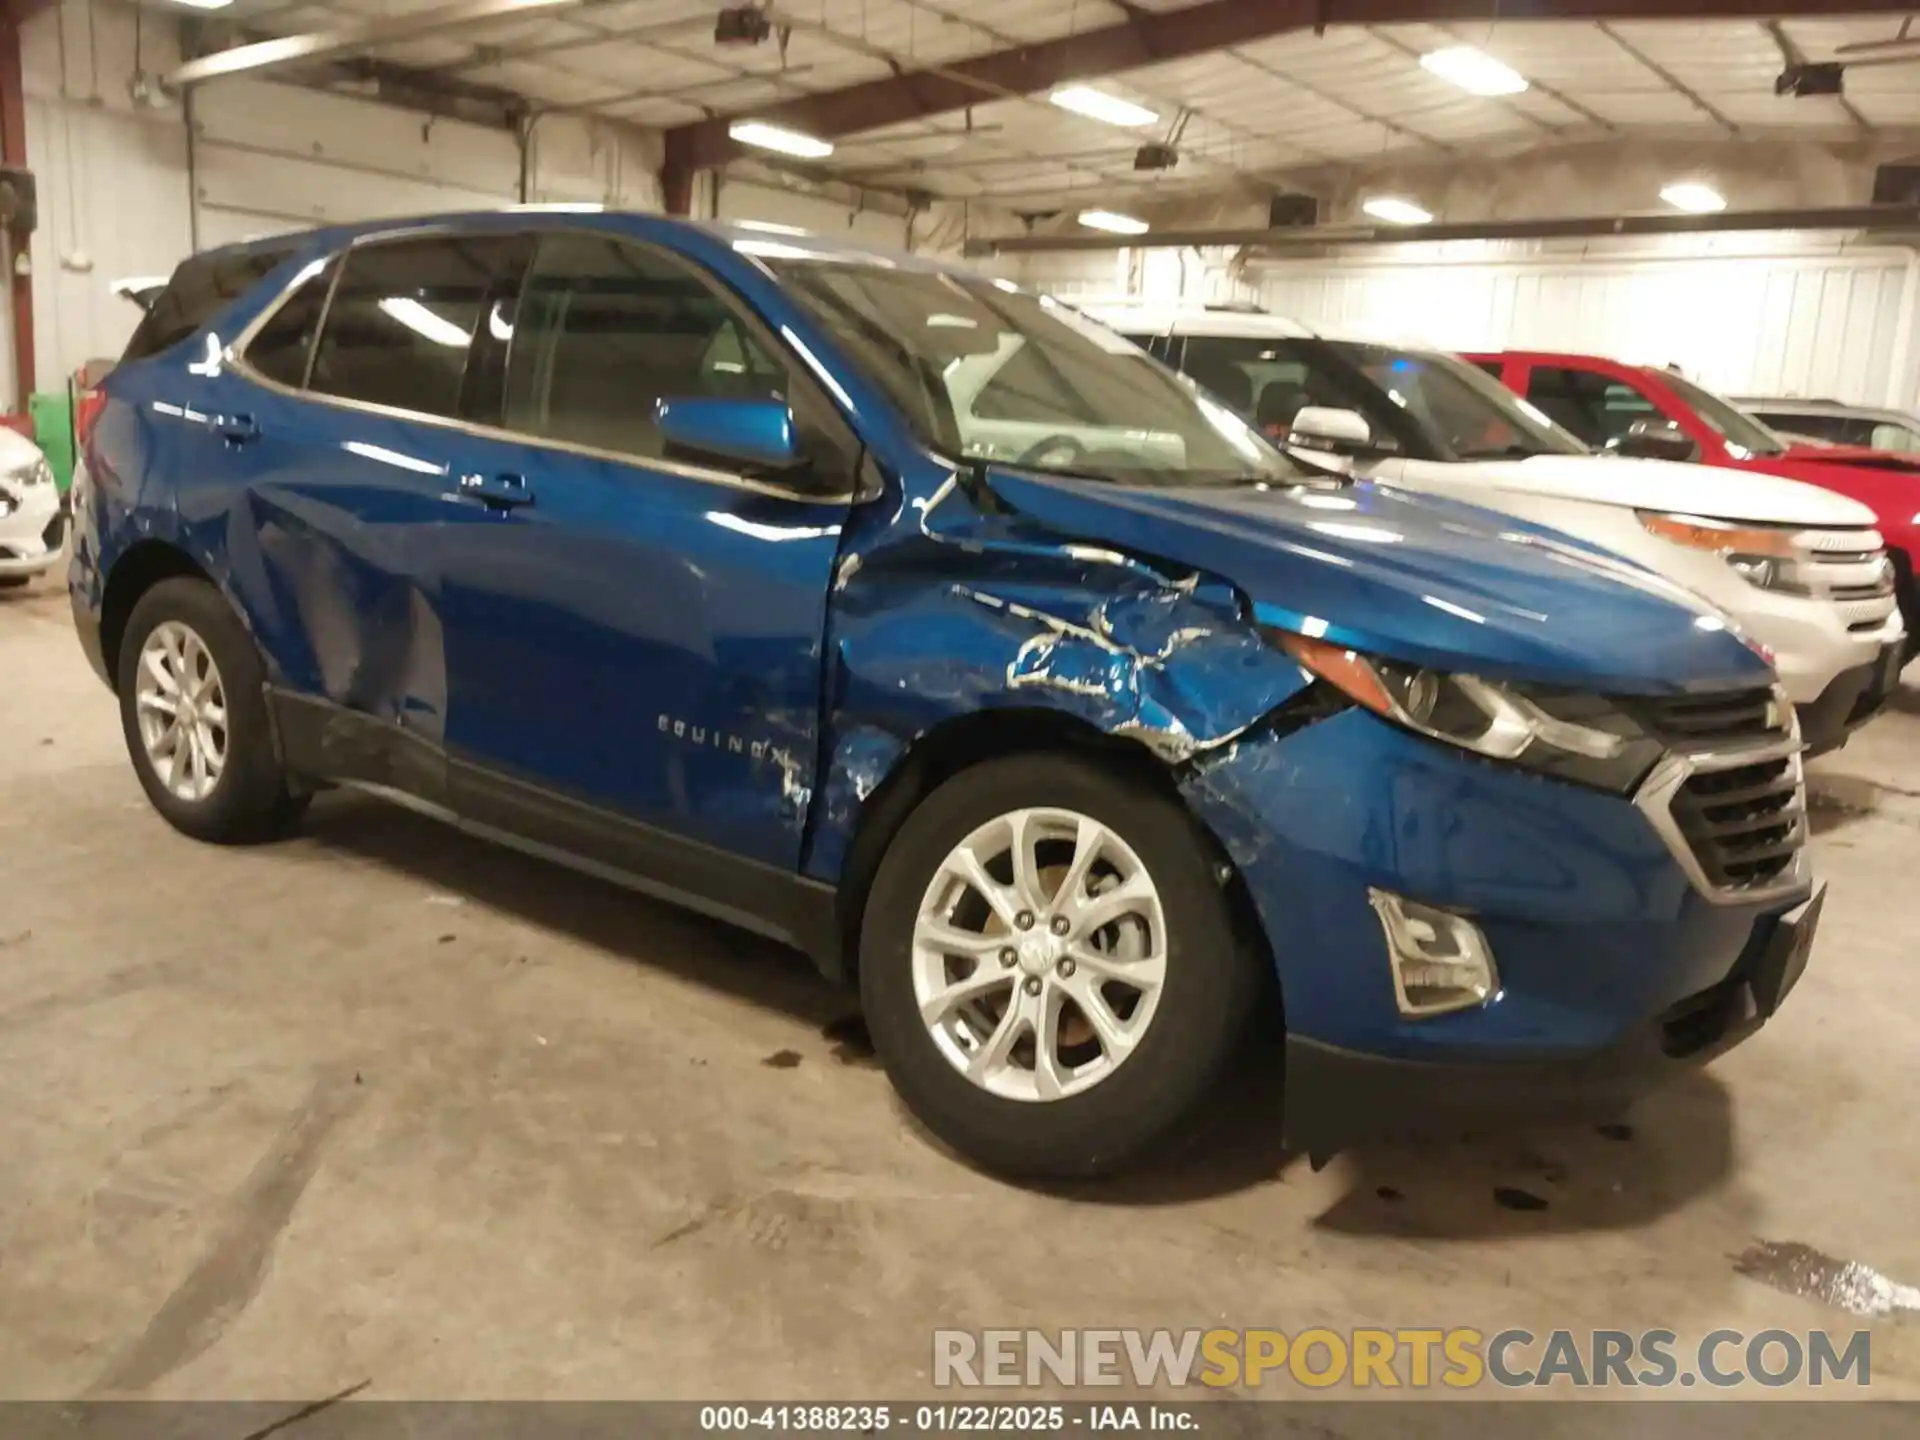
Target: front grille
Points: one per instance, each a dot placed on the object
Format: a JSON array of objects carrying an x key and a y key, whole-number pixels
[
  {"x": 1746, "y": 824},
  {"x": 1730, "y": 800},
  {"x": 1850, "y": 568},
  {"x": 1692, "y": 722}
]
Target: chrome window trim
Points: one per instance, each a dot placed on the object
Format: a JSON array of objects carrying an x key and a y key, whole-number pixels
[
  {"x": 237, "y": 362},
  {"x": 1655, "y": 800}
]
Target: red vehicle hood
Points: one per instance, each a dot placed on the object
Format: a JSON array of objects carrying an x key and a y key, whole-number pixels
[{"x": 1851, "y": 456}]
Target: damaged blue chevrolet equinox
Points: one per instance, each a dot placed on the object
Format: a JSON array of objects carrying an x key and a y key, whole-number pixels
[{"x": 906, "y": 617}]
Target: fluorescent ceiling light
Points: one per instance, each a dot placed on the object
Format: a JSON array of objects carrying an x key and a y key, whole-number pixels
[
  {"x": 1108, "y": 220},
  {"x": 1396, "y": 211},
  {"x": 204, "y": 4},
  {"x": 1473, "y": 70},
  {"x": 773, "y": 137},
  {"x": 1693, "y": 197},
  {"x": 769, "y": 227},
  {"x": 1098, "y": 105},
  {"x": 424, "y": 322}
]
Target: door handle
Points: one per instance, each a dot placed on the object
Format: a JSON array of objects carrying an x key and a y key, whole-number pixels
[
  {"x": 505, "y": 491},
  {"x": 237, "y": 429}
]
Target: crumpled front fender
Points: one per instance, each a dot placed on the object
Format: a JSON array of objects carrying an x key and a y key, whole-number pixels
[{"x": 955, "y": 609}]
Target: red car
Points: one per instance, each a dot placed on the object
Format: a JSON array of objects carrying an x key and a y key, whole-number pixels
[{"x": 1642, "y": 410}]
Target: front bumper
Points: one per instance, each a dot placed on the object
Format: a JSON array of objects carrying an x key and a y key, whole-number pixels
[
  {"x": 1852, "y": 699},
  {"x": 1336, "y": 1098},
  {"x": 1603, "y": 940},
  {"x": 33, "y": 532}
]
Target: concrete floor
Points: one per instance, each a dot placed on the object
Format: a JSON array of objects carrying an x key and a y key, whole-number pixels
[{"x": 384, "y": 1104}]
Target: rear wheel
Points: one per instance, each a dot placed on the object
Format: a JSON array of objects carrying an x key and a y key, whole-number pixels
[
  {"x": 193, "y": 709},
  {"x": 1050, "y": 969}
]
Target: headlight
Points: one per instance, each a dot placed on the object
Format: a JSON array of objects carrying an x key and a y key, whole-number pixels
[
  {"x": 1759, "y": 555},
  {"x": 1568, "y": 734},
  {"x": 38, "y": 472}
]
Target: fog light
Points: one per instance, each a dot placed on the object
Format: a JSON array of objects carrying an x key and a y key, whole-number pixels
[{"x": 1440, "y": 962}]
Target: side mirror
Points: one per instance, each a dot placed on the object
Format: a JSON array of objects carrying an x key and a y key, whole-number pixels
[
  {"x": 1338, "y": 432},
  {"x": 751, "y": 434},
  {"x": 1654, "y": 440}
]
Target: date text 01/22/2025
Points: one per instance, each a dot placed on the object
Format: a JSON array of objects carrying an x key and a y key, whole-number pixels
[{"x": 955, "y": 1419}]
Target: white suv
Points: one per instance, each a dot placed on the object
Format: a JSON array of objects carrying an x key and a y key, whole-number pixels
[
  {"x": 31, "y": 523},
  {"x": 1801, "y": 570}
]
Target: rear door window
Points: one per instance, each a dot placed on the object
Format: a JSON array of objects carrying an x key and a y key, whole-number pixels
[
  {"x": 281, "y": 348},
  {"x": 201, "y": 288},
  {"x": 401, "y": 325}
]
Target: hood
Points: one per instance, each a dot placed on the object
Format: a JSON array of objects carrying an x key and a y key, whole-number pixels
[
  {"x": 16, "y": 451},
  {"x": 1713, "y": 491},
  {"x": 1853, "y": 457},
  {"x": 1417, "y": 578}
]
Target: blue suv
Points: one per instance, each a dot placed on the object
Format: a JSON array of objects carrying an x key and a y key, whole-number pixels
[{"x": 913, "y": 620}]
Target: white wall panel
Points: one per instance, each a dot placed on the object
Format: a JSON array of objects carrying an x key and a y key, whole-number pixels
[
  {"x": 1745, "y": 314},
  {"x": 275, "y": 157},
  {"x": 1825, "y": 324},
  {"x": 112, "y": 182}
]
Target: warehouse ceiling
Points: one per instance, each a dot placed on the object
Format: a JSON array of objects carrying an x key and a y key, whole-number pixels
[{"x": 950, "y": 97}]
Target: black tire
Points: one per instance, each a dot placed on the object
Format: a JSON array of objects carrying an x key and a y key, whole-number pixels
[
  {"x": 1151, "y": 1101},
  {"x": 251, "y": 800}
]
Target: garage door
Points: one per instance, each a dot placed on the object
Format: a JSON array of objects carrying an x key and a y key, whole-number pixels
[{"x": 270, "y": 158}]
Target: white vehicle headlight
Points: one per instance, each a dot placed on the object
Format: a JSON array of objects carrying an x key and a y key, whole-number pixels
[
  {"x": 1758, "y": 554},
  {"x": 36, "y": 472}
]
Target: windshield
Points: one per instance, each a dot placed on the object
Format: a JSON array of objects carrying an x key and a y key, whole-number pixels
[
  {"x": 1470, "y": 413},
  {"x": 1739, "y": 429},
  {"x": 986, "y": 373}
]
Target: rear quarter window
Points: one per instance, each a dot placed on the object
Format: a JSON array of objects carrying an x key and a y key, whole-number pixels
[{"x": 201, "y": 287}]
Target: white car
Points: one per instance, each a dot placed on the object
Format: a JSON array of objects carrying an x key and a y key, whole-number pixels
[
  {"x": 32, "y": 522},
  {"x": 1800, "y": 570}
]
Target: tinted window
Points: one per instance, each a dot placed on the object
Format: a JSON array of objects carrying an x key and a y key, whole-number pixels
[
  {"x": 404, "y": 314},
  {"x": 1270, "y": 381},
  {"x": 1595, "y": 407},
  {"x": 1840, "y": 429},
  {"x": 200, "y": 288},
  {"x": 606, "y": 329},
  {"x": 280, "y": 347}
]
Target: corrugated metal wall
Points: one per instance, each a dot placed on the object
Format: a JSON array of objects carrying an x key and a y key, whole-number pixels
[
  {"x": 1763, "y": 314},
  {"x": 1839, "y": 323}
]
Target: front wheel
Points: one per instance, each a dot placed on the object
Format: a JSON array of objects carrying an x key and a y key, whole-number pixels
[
  {"x": 1050, "y": 969},
  {"x": 193, "y": 708}
]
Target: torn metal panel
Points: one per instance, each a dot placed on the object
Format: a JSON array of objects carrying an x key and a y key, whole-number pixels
[
  {"x": 861, "y": 760},
  {"x": 956, "y": 606}
]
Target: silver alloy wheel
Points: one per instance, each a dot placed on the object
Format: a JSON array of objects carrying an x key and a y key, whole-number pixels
[
  {"x": 181, "y": 705},
  {"x": 1039, "y": 954}
]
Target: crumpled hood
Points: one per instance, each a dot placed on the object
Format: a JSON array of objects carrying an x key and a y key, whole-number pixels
[
  {"x": 1713, "y": 491},
  {"x": 1418, "y": 578}
]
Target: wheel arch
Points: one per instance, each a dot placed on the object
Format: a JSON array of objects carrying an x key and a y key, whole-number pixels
[
  {"x": 927, "y": 761},
  {"x": 143, "y": 566}
]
